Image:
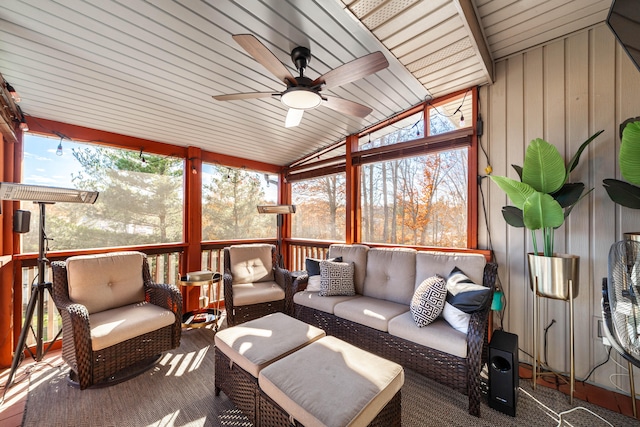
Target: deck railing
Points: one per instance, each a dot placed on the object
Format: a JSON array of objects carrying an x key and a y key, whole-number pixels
[{"x": 301, "y": 249}]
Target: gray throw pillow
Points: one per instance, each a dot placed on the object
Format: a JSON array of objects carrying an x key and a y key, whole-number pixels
[
  {"x": 428, "y": 300},
  {"x": 336, "y": 278}
]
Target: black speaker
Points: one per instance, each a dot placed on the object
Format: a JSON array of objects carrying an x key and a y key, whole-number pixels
[
  {"x": 21, "y": 221},
  {"x": 503, "y": 372}
]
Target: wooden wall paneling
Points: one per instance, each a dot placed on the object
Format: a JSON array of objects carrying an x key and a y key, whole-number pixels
[
  {"x": 563, "y": 91},
  {"x": 555, "y": 132},
  {"x": 603, "y": 155},
  {"x": 577, "y": 225},
  {"x": 517, "y": 237},
  {"x": 533, "y": 128},
  {"x": 494, "y": 140}
]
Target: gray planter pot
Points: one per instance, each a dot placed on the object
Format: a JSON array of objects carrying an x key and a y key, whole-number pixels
[{"x": 554, "y": 274}]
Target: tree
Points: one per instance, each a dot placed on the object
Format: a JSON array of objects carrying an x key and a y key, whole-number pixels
[
  {"x": 140, "y": 202},
  {"x": 229, "y": 206}
]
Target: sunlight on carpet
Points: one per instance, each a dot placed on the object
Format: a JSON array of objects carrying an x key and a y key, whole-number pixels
[{"x": 179, "y": 391}]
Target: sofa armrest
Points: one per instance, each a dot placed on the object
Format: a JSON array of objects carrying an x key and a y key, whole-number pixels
[
  {"x": 299, "y": 283},
  {"x": 283, "y": 279}
]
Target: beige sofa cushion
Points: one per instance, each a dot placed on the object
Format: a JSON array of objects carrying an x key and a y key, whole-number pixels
[
  {"x": 251, "y": 263},
  {"x": 256, "y": 293},
  {"x": 372, "y": 312},
  {"x": 104, "y": 281},
  {"x": 438, "y": 335},
  {"x": 257, "y": 343},
  {"x": 391, "y": 274},
  {"x": 315, "y": 301},
  {"x": 430, "y": 263},
  {"x": 332, "y": 383},
  {"x": 110, "y": 327},
  {"x": 357, "y": 254}
]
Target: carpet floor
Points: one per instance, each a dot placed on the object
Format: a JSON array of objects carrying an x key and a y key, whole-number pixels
[{"x": 178, "y": 391}]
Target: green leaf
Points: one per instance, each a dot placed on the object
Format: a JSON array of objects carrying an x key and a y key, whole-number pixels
[
  {"x": 569, "y": 194},
  {"x": 513, "y": 216},
  {"x": 516, "y": 191},
  {"x": 623, "y": 193},
  {"x": 630, "y": 153},
  {"x": 542, "y": 211},
  {"x": 576, "y": 157},
  {"x": 518, "y": 170},
  {"x": 543, "y": 167}
]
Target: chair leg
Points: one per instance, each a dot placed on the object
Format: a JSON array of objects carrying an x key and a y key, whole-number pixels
[{"x": 632, "y": 387}]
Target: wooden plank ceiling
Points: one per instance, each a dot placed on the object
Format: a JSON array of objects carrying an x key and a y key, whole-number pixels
[{"x": 149, "y": 68}]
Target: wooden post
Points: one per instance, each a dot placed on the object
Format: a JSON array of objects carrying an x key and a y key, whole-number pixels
[{"x": 192, "y": 225}]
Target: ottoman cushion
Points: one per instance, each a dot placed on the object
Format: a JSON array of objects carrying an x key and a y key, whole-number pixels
[
  {"x": 332, "y": 383},
  {"x": 255, "y": 344}
]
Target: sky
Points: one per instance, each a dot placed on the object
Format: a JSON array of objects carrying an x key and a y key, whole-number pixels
[{"x": 43, "y": 167}]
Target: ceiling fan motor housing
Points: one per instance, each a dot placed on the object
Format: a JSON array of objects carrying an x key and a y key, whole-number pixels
[{"x": 301, "y": 56}]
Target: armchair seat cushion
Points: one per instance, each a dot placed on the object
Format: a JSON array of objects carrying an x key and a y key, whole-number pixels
[
  {"x": 256, "y": 293},
  {"x": 117, "y": 325}
]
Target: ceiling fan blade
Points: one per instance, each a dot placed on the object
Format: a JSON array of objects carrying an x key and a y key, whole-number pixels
[
  {"x": 264, "y": 56},
  {"x": 294, "y": 116},
  {"x": 249, "y": 95},
  {"x": 347, "y": 107},
  {"x": 354, "y": 70}
]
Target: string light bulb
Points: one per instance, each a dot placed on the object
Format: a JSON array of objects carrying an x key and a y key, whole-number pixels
[
  {"x": 24, "y": 127},
  {"x": 13, "y": 93},
  {"x": 142, "y": 159},
  {"x": 461, "y": 120},
  {"x": 194, "y": 170},
  {"x": 59, "y": 149}
]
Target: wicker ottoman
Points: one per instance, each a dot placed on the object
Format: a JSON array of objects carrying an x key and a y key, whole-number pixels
[
  {"x": 242, "y": 351},
  {"x": 331, "y": 383}
]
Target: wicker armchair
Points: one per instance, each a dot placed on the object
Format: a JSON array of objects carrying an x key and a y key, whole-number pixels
[
  {"x": 91, "y": 292},
  {"x": 254, "y": 284}
]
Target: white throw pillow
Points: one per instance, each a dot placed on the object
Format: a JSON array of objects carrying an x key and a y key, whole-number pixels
[
  {"x": 313, "y": 285},
  {"x": 458, "y": 319},
  {"x": 428, "y": 300}
]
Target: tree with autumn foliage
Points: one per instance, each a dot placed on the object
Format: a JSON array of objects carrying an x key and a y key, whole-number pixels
[{"x": 320, "y": 208}]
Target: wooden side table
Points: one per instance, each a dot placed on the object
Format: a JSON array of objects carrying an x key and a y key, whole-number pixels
[{"x": 211, "y": 315}]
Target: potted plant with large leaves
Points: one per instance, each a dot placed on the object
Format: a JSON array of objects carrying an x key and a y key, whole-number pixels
[
  {"x": 627, "y": 193},
  {"x": 542, "y": 200}
]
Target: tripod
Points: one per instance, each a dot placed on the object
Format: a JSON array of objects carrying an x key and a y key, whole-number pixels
[{"x": 36, "y": 301}]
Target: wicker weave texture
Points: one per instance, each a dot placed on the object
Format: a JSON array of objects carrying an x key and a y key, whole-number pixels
[
  {"x": 461, "y": 374},
  {"x": 239, "y": 385},
  {"x": 244, "y": 313},
  {"x": 272, "y": 415},
  {"x": 93, "y": 367}
]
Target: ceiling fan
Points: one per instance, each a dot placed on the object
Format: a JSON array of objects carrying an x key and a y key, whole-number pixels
[{"x": 302, "y": 93}]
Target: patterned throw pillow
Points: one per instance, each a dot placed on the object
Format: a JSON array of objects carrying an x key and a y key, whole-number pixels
[
  {"x": 336, "y": 278},
  {"x": 428, "y": 300}
]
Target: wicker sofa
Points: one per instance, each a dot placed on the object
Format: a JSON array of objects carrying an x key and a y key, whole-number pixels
[{"x": 378, "y": 317}]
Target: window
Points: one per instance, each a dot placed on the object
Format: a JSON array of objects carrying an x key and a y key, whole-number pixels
[
  {"x": 320, "y": 208},
  {"x": 404, "y": 130},
  {"x": 416, "y": 201},
  {"x": 451, "y": 114},
  {"x": 140, "y": 201},
  {"x": 229, "y": 200}
]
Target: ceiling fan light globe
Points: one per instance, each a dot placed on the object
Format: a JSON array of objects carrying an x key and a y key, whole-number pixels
[{"x": 300, "y": 98}]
